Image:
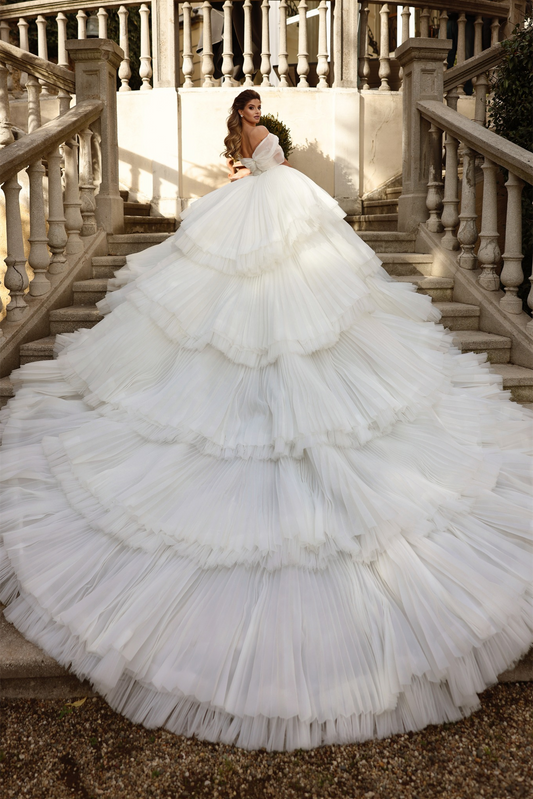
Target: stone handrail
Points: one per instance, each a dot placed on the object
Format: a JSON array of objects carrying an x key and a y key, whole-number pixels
[
  {"x": 46, "y": 138},
  {"x": 428, "y": 190},
  {"x": 485, "y": 142},
  {"x": 58, "y": 76},
  {"x": 68, "y": 168},
  {"x": 484, "y": 61}
]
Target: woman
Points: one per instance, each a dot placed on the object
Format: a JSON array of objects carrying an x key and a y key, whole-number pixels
[{"x": 266, "y": 501}]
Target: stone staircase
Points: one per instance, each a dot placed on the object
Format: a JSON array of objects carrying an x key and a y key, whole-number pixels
[{"x": 25, "y": 671}]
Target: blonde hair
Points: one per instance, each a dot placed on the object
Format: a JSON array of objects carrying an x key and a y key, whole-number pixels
[{"x": 232, "y": 142}]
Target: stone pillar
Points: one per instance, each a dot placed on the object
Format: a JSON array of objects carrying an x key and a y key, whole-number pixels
[
  {"x": 164, "y": 46},
  {"x": 345, "y": 36},
  {"x": 96, "y": 63},
  {"x": 422, "y": 62}
]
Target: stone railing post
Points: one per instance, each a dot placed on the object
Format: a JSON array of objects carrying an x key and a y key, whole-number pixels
[
  {"x": 96, "y": 62},
  {"x": 422, "y": 62}
]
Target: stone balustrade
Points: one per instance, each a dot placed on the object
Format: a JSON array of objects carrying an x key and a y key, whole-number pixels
[
  {"x": 430, "y": 193},
  {"x": 65, "y": 203},
  {"x": 279, "y": 43},
  {"x": 92, "y": 22},
  {"x": 384, "y": 26}
]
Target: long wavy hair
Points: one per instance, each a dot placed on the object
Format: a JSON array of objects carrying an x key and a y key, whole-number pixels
[{"x": 232, "y": 142}]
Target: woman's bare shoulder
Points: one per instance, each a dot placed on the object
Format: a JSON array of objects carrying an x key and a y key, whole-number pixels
[{"x": 258, "y": 134}]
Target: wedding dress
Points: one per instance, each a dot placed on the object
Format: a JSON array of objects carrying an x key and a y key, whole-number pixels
[{"x": 266, "y": 500}]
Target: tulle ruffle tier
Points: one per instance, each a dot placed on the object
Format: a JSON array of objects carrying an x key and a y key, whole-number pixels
[{"x": 263, "y": 501}]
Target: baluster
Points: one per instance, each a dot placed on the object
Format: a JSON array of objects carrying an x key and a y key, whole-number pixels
[
  {"x": 265, "y": 43},
  {"x": 188, "y": 66},
  {"x": 322, "y": 69},
  {"x": 102, "y": 23},
  {"x": 443, "y": 25},
  {"x": 450, "y": 202},
  {"x": 248, "y": 61},
  {"x": 467, "y": 233},
  {"x": 424, "y": 23},
  {"x": 482, "y": 87},
  {"x": 303, "y": 55},
  {"x": 512, "y": 275},
  {"x": 208, "y": 66},
  {"x": 72, "y": 202},
  {"x": 406, "y": 18},
  {"x": 4, "y": 37},
  {"x": 6, "y": 128},
  {"x": 478, "y": 34},
  {"x": 283, "y": 63},
  {"x": 488, "y": 254},
  {"x": 39, "y": 258},
  {"x": 364, "y": 64},
  {"x": 87, "y": 199},
  {"x": 494, "y": 31},
  {"x": 24, "y": 44},
  {"x": 81, "y": 16},
  {"x": 227, "y": 55},
  {"x": 434, "y": 195},
  {"x": 384, "y": 60},
  {"x": 57, "y": 234},
  {"x": 461, "y": 44},
  {"x": 34, "y": 105},
  {"x": 16, "y": 277},
  {"x": 124, "y": 70},
  {"x": 62, "y": 58},
  {"x": 145, "y": 69},
  {"x": 42, "y": 48}
]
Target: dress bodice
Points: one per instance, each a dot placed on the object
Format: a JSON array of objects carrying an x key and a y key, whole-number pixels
[{"x": 266, "y": 155}]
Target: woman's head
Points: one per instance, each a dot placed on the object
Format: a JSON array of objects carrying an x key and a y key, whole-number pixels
[{"x": 246, "y": 108}]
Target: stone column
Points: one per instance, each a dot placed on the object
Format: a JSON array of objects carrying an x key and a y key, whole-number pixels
[
  {"x": 422, "y": 62},
  {"x": 345, "y": 35},
  {"x": 164, "y": 49},
  {"x": 96, "y": 63}
]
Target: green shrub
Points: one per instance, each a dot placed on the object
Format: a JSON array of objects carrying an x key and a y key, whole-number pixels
[
  {"x": 279, "y": 129},
  {"x": 511, "y": 115}
]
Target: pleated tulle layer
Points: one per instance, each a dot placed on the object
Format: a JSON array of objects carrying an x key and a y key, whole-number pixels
[{"x": 266, "y": 501}]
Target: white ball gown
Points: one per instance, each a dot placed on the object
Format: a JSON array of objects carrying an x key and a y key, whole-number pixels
[{"x": 266, "y": 501}]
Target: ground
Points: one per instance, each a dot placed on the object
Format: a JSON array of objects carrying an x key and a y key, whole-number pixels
[{"x": 51, "y": 749}]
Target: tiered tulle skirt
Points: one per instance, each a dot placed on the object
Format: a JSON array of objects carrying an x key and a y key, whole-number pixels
[{"x": 266, "y": 501}]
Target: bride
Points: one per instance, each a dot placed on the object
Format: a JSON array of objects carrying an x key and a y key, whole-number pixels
[{"x": 266, "y": 500}]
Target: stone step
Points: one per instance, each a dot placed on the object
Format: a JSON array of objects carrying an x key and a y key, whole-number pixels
[
  {"x": 137, "y": 209},
  {"x": 6, "y": 391},
  {"x": 395, "y": 192},
  {"x": 371, "y": 222},
  {"x": 498, "y": 348},
  {"x": 406, "y": 263},
  {"x": 384, "y": 206},
  {"x": 124, "y": 193},
  {"x": 126, "y": 243},
  {"x": 440, "y": 289},
  {"x": 89, "y": 292},
  {"x": 149, "y": 224},
  {"x": 459, "y": 315},
  {"x": 107, "y": 265},
  {"x": 26, "y": 671},
  {"x": 67, "y": 320},
  {"x": 42, "y": 349},
  {"x": 388, "y": 240},
  {"x": 518, "y": 380}
]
